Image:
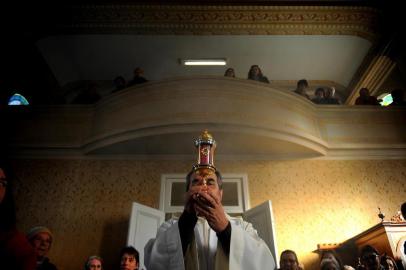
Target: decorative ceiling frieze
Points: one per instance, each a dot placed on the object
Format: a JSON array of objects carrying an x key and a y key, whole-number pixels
[{"x": 221, "y": 20}]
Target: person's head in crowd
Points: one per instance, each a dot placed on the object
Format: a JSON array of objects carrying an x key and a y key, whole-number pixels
[
  {"x": 331, "y": 255},
  {"x": 319, "y": 93},
  {"x": 138, "y": 77},
  {"x": 302, "y": 85},
  {"x": 138, "y": 72},
  {"x": 388, "y": 263},
  {"x": 119, "y": 83},
  {"x": 7, "y": 210},
  {"x": 229, "y": 73},
  {"x": 254, "y": 72},
  {"x": 328, "y": 93},
  {"x": 370, "y": 258},
  {"x": 94, "y": 263},
  {"x": 288, "y": 260},
  {"x": 329, "y": 265},
  {"x": 129, "y": 258},
  {"x": 329, "y": 96},
  {"x": 40, "y": 238},
  {"x": 364, "y": 92},
  {"x": 403, "y": 210}
]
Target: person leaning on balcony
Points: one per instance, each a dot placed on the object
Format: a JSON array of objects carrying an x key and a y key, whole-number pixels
[
  {"x": 229, "y": 73},
  {"x": 301, "y": 87},
  {"x": 319, "y": 94},
  {"x": 365, "y": 98},
  {"x": 255, "y": 74}
]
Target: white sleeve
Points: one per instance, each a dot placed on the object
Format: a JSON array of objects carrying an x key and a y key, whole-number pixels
[
  {"x": 247, "y": 249},
  {"x": 165, "y": 251}
]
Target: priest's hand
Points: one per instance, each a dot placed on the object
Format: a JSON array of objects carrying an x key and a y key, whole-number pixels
[
  {"x": 190, "y": 199},
  {"x": 208, "y": 205}
]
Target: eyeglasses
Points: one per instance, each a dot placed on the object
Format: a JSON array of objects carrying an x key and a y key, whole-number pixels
[{"x": 3, "y": 183}]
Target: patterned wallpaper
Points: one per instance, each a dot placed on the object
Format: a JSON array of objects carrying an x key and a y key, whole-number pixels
[{"x": 86, "y": 203}]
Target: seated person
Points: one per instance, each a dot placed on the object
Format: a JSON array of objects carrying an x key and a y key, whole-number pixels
[
  {"x": 129, "y": 258},
  {"x": 119, "y": 83},
  {"x": 229, "y": 73},
  {"x": 319, "y": 96},
  {"x": 255, "y": 74},
  {"x": 301, "y": 87},
  {"x": 41, "y": 239},
  {"x": 365, "y": 98},
  {"x": 329, "y": 97},
  {"x": 138, "y": 78}
]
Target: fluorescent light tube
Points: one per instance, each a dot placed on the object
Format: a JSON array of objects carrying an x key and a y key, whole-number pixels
[{"x": 204, "y": 62}]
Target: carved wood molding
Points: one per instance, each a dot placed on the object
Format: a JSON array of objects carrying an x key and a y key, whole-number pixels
[{"x": 216, "y": 20}]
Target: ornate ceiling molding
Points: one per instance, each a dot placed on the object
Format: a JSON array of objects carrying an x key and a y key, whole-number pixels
[{"x": 221, "y": 20}]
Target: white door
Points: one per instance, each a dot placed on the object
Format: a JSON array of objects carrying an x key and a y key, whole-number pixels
[
  {"x": 144, "y": 224},
  {"x": 261, "y": 217}
]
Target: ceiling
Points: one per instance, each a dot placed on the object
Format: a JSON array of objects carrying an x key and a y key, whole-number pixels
[{"x": 326, "y": 42}]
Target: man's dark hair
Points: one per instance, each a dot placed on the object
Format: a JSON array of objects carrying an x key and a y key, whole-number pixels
[
  {"x": 130, "y": 250},
  {"x": 302, "y": 82},
  {"x": 287, "y": 251},
  {"x": 218, "y": 174},
  {"x": 369, "y": 249},
  {"x": 320, "y": 89}
]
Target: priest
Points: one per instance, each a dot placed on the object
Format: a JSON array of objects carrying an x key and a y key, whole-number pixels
[{"x": 205, "y": 237}]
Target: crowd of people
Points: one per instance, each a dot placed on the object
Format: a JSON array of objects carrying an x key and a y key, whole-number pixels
[
  {"x": 29, "y": 251},
  {"x": 322, "y": 95},
  {"x": 369, "y": 259}
]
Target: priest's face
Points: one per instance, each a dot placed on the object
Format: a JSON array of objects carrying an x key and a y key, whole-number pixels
[{"x": 205, "y": 180}]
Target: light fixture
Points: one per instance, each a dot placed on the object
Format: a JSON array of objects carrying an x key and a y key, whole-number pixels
[{"x": 204, "y": 62}]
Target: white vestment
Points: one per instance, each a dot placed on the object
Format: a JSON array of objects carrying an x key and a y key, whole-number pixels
[{"x": 247, "y": 250}]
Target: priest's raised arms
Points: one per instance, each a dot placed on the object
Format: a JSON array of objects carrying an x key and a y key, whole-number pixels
[{"x": 205, "y": 237}]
